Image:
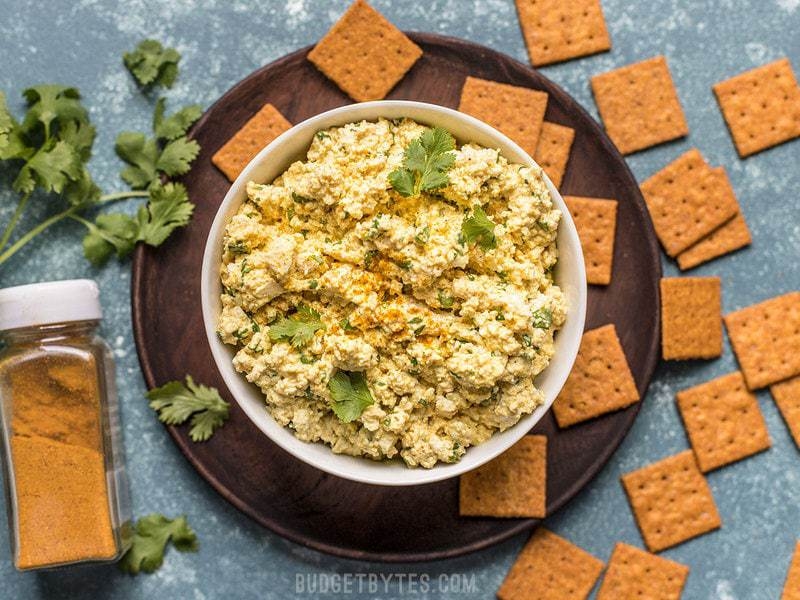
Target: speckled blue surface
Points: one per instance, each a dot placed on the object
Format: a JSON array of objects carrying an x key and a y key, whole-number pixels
[{"x": 80, "y": 42}]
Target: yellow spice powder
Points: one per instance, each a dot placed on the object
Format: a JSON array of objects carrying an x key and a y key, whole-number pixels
[{"x": 58, "y": 463}]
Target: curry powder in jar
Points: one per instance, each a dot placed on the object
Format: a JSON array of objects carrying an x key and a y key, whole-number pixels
[{"x": 66, "y": 488}]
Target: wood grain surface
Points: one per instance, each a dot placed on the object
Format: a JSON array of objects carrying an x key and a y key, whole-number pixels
[{"x": 325, "y": 512}]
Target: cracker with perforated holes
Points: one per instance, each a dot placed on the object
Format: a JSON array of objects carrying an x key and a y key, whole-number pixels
[
  {"x": 791, "y": 588},
  {"x": 639, "y": 105},
  {"x": 761, "y": 106},
  {"x": 687, "y": 200},
  {"x": 635, "y": 574},
  {"x": 596, "y": 222},
  {"x": 723, "y": 421},
  {"x": 550, "y": 568},
  {"x": 555, "y": 30},
  {"x": 787, "y": 396},
  {"x": 726, "y": 238},
  {"x": 263, "y": 127},
  {"x": 512, "y": 485},
  {"x": 552, "y": 151},
  {"x": 516, "y": 111},
  {"x": 364, "y": 54},
  {"x": 691, "y": 318},
  {"x": 766, "y": 339},
  {"x": 671, "y": 501},
  {"x": 600, "y": 381}
]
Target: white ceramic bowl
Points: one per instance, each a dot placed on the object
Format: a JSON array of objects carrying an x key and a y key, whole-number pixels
[{"x": 271, "y": 162}]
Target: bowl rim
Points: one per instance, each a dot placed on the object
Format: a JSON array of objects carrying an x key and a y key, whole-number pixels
[{"x": 499, "y": 442}]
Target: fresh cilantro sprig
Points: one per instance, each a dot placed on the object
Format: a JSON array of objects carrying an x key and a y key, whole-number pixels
[
  {"x": 175, "y": 402},
  {"x": 151, "y": 64},
  {"x": 425, "y": 163},
  {"x": 298, "y": 329},
  {"x": 151, "y": 535},
  {"x": 168, "y": 153},
  {"x": 350, "y": 395},
  {"x": 47, "y": 152},
  {"x": 168, "y": 209},
  {"x": 479, "y": 228}
]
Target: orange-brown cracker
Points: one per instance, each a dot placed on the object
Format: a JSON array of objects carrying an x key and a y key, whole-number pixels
[
  {"x": 364, "y": 54},
  {"x": 512, "y": 485},
  {"x": 550, "y": 568},
  {"x": 723, "y": 421},
  {"x": 516, "y": 111},
  {"x": 766, "y": 339},
  {"x": 761, "y": 106},
  {"x": 639, "y": 105},
  {"x": 596, "y": 222},
  {"x": 691, "y": 318},
  {"x": 600, "y": 381}
]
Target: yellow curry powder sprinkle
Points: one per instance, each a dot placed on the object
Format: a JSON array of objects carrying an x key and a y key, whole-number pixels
[{"x": 59, "y": 475}]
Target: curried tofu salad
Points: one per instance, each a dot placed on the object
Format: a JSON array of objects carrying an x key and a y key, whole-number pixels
[{"x": 392, "y": 294}]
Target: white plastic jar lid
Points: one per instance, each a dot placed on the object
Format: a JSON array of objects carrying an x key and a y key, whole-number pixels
[{"x": 49, "y": 302}]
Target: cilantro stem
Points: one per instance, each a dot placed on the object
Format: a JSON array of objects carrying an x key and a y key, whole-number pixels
[
  {"x": 34, "y": 232},
  {"x": 14, "y": 220},
  {"x": 121, "y": 196},
  {"x": 12, "y": 224}
]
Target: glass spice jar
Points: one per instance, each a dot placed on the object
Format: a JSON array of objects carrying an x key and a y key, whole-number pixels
[{"x": 66, "y": 488}]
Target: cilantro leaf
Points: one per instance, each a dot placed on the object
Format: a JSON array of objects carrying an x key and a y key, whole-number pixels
[
  {"x": 141, "y": 154},
  {"x": 402, "y": 180},
  {"x": 7, "y": 126},
  {"x": 51, "y": 168},
  {"x": 146, "y": 160},
  {"x": 425, "y": 163},
  {"x": 177, "y": 124},
  {"x": 151, "y": 64},
  {"x": 542, "y": 318},
  {"x": 297, "y": 329},
  {"x": 168, "y": 209},
  {"x": 81, "y": 191},
  {"x": 175, "y": 402},
  {"x": 151, "y": 535},
  {"x": 177, "y": 156},
  {"x": 108, "y": 234},
  {"x": 49, "y": 103},
  {"x": 350, "y": 395},
  {"x": 479, "y": 228},
  {"x": 80, "y": 136}
]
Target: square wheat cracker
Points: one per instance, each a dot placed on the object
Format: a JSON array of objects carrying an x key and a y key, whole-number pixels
[
  {"x": 364, "y": 54},
  {"x": 596, "y": 222},
  {"x": 550, "y": 568},
  {"x": 731, "y": 235},
  {"x": 791, "y": 587},
  {"x": 555, "y": 30},
  {"x": 516, "y": 111},
  {"x": 725, "y": 239},
  {"x": 512, "y": 485},
  {"x": 787, "y": 396},
  {"x": 639, "y": 105},
  {"x": 671, "y": 501},
  {"x": 600, "y": 381},
  {"x": 687, "y": 200},
  {"x": 552, "y": 151},
  {"x": 691, "y": 318},
  {"x": 635, "y": 574},
  {"x": 723, "y": 421},
  {"x": 761, "y": 106},
  {"x": 263, "y": 127},
  {"x": 766, "y": 339}
]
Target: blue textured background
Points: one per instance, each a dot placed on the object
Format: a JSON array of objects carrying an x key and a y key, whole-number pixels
[{"x": 81, "y": 43}]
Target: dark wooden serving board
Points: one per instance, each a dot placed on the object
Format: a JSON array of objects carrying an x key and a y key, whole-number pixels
[{"x": 322, "y": 511}]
